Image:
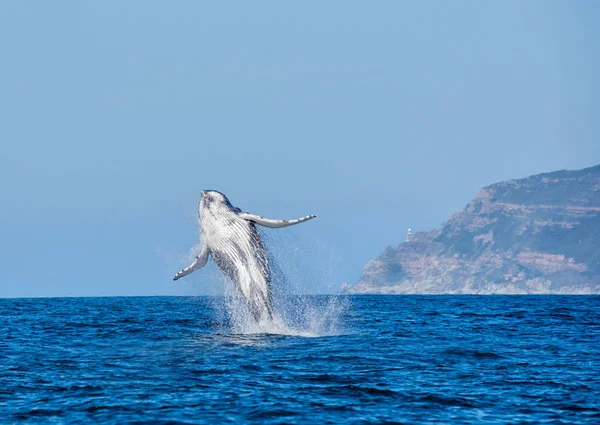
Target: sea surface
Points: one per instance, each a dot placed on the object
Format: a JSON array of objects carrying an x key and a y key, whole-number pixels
[{"x": 360, "y": 359}]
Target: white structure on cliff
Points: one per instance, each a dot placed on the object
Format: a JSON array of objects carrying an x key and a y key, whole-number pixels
[{"x": 408, "y": 235}]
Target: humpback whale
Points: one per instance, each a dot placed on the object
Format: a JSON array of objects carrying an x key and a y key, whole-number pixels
[{"x": 230, "y": 237}]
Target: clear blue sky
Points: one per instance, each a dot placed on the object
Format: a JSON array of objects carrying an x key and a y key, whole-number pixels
[{"x": 376, "y": 116}]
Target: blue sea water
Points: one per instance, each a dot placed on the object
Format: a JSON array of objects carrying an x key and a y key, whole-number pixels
[{"x": 382, "y": 359}]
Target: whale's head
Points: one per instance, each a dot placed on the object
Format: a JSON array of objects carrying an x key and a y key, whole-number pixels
[{"x": 214, "y": 201}]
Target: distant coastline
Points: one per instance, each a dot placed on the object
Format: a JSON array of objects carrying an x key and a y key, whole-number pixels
[{"x": 536, "y": 235}]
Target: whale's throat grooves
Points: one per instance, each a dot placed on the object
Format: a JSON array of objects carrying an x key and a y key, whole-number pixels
[{"x": 237, "y": 248}]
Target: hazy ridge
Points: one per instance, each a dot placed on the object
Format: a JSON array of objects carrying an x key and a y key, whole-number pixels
[{"x": 535, "y": 235}]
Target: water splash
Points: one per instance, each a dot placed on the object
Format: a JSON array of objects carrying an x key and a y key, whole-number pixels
[{"x": 294, "y": 315}]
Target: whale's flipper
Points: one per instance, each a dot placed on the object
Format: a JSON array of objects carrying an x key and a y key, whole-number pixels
[
  {"x": 275, "y": 224},
  {"x": 198, "y": 262}
]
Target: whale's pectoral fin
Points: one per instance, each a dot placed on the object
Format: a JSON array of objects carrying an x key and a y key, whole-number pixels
[
  {"x": 198, "y": 263},
  {"x": 269, "y": 222}
]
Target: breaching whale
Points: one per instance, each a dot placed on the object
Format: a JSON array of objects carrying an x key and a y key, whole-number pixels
[{"x": 230, "y": 237}]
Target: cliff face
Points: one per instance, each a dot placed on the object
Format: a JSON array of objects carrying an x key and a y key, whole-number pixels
[{"x": 540, "y": 234}]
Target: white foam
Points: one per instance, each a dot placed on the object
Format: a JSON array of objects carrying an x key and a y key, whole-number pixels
[{"x": 294, "y": 315}]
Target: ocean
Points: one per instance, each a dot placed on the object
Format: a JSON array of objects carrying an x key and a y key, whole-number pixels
[{"x": 358, "y": 359}]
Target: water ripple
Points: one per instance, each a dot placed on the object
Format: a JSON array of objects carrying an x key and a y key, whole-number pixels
[{"x": 398, "y": 359}]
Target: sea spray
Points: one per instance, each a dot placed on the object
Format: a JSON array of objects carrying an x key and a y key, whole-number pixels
[
  {"x": 301, "y": 315},
  {"x": 294, "y": 312}
]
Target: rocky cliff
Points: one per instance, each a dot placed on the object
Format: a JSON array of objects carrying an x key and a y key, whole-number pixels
[{"x": 539, "y": 235}]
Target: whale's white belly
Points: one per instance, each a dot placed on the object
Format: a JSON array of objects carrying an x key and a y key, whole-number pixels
[{"x": 238, "y": 250}]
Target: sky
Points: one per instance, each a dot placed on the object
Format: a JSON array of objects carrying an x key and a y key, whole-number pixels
[{"x": 376, "y": 116}]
